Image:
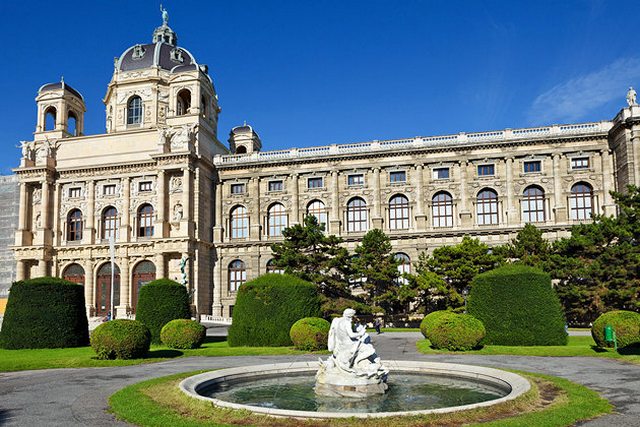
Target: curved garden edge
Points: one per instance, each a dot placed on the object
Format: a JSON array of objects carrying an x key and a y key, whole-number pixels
[{"x": 552, "y": 400}]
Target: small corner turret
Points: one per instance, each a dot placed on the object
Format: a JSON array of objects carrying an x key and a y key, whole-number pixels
[
  {"x": 244, "y": 140},
  {"x": 61, "y": 111}
]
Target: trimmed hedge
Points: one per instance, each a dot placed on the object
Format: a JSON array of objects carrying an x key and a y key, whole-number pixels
[
  {"x": 268, "y": 306},
  {"x": 456, "y": 332},
  {"x": 45, "y": 312},
  {"x": 517, "y": 306},
  {"x": 625, "y": 323},
  {"x": 310, "y": 334},
  {"x": 121, "y": 339},
  {"x": 183, "y": 334},
  {"x": 160, "y": 302},
  {"x": 430, "y": 319}
]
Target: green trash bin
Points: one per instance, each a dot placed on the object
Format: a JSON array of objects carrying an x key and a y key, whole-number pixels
[{"x": 610, "y": 336}]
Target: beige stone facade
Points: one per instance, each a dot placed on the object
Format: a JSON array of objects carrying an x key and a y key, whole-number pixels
[{"x": 162, "y": 184}]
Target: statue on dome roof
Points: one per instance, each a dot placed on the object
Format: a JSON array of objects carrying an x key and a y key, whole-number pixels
[
  {"x": 631, "y": 96},
  {"x": 165, "y": 15}
]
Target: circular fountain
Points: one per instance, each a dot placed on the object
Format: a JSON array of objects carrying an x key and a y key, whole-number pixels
[{"x": 353, "y": 382}]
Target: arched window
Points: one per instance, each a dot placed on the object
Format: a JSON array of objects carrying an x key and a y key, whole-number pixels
[
  {"x": 145, "y": 220},
  {"x": 241, "y": 149},
  {"x": 581, "y": 201},
  {"x": 399, "y": 212},
  {"x": 110, "y": 222},
  {"x": 271, "y": 268},
  {"x": 239, "y": 223},
  {"x": 143, "y": 273},
  {"x": 50, "y": 118},
  {"x": 134, "y": 110},
  {"x": 487, "y": 207},
  {"x": 74, "y": 226},
  {"x": 404, "y": 266},
  {"x": 533, "y": 204},
  {"x": 357, "y": 215},
  {"x": 183, "y": 102},
  {"x": 276, "y": 219},
  {"x": 74, "y": 273},
  {"x": 442, "y": 209},
  {"x": 103, "y": 288},
  {"x": 318, "y": 209},
  {"x": 72, "y": 124},
  {"x": 237, "y": 275}
]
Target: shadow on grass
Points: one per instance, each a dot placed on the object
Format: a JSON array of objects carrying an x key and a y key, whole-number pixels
[
  {"x": 214, "y": 339},
  {"x": 598, "y": 349},
  {"x": 631, "y": 350},
  {"x": 163, "y": 354}
]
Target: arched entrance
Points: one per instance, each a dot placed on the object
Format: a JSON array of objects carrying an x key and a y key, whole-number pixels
[
  {"x": 143, "y": 273},
  {"x": 103, "y": 289},
  {"x": 74, "y": 273}
]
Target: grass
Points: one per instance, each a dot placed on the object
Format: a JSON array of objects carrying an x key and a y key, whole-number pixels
[
  {"x": 583, "y": 346},
  {"x": 84, "y": 357},
  {"x": 551, "y": 401}
]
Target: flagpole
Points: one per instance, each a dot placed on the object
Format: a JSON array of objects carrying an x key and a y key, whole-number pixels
[{"x": 112, "y": 253}]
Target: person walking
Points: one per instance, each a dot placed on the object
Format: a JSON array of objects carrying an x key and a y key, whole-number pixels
[{"x": 377, "y": 324}]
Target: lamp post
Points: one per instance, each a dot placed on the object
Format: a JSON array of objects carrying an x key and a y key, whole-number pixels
[{"x": 465, "y": 294}]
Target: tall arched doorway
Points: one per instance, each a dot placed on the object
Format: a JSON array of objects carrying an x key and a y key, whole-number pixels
[
  {"x": 74, "y": 273},
  {"x": 143, "y": 273},
  {"x": 103, "y": 289}
]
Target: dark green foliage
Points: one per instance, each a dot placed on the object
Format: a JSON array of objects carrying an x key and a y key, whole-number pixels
[
  {"x": 121, "y": 339},
  {"x": 517, "y": 306},
  {"x": 430, "y": 319},
  {"x": 45, "y": 312},
  {"x": 528, "y": 248},
  {"x": 441, "y": 278},
  {"x": 160, "y": 302},
  {"x": 308, "y": 253},
  {"x": 268, "y": 306},
  {"x": 310, "y": 334},
  {"x": 183, "y": 334},
  {"x": 626, "y": 324},
  {"x": 376, "y": 263},
  {"x": 455, "y": 332},
  {"x": 336, "y": 306}
]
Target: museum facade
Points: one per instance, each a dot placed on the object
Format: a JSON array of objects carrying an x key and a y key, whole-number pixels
[{"x": 169, "y": 194}]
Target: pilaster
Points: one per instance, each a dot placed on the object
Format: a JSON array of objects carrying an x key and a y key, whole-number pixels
[
  {"x": 559, "y": 208},
  {"x": 466, "y": 218},
  {"x": 295, "y": 208},
  {"x": 421, "y": 218},
  {"x": 376, "y": 217}
]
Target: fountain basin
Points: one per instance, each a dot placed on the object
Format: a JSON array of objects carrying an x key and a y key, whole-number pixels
[{"x": 504, "y": 386}]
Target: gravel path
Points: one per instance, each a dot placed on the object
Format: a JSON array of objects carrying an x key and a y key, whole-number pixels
[{"x": 78, "y": 397}]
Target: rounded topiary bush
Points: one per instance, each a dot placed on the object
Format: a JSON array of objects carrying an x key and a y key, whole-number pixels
[
  {"x": 183, "y": 334},
  {"x": 121, "y": 339},
  {"x": 625, "y": 323},
  {"x": 430, "y": 319},
  {"x": 310, "y": 333},
  {"x": 268, "y": 306},
  {"x": 517, "y": 306},
  {"x": 45, "y": 312},
  {"x": 455, "y": 332},
  {"x": 160, "y": 302}
]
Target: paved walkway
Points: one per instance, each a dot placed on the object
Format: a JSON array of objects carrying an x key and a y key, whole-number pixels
[{"x": 78, "y": 397}]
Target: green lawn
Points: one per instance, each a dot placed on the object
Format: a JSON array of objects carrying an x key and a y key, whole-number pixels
[
  {"x": 84, "y": 357},
  {"x": 577, "y": 346}
]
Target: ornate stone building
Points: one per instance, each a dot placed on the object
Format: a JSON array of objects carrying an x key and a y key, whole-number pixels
[{"x": 166, "y": 189}]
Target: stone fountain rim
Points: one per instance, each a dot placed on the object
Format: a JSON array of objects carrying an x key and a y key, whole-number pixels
[{"x": 517, "y": 384}]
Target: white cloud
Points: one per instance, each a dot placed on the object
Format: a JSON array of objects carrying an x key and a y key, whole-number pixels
[{"x": 574, "y": 99}]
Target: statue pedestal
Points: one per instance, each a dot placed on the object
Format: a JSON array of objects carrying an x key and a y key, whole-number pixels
[{"x": 332, "y": 381}]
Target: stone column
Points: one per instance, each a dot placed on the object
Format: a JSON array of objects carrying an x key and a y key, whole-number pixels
[
  {"x": 90, "y": 229},
  {"x": 186, "y": 200},
  {"x": 559, "y": 201},
  {"x": 160, "y": 226},
  {"x": 56, "y": 215},
  {"x": 21, "y": 270},
  {"x": 421, "y": 218},
  {"x": 44, "y": 234},
  {"x": 466, "y": 217},
  {"x": 334, "y": 217},
  {"x": 218, "y": 227},
  {"x": 23, "y": 215},
  {"x": 216, "y": 308},
  {"x": 43, "y": 267},
  {"x": 376, "y": 217},
  {"x": 254, "y": 213},
  {"x": 608, "y": 183},
  {"x": 511, "y": 211},
  {"x": 89, "y": 287},
  {"x": 125, "y": 227},
  {"x": 295, "y": 208},
  {"x": 160, "y": 266},
  {"x": 125, "y": 287}
]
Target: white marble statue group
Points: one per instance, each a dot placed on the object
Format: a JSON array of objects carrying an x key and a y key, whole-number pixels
[{"x": 354, "y": 369}]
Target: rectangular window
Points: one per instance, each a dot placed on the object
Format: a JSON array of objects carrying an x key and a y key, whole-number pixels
[
  {"x": 275, "y": 185},
  {"x": 237, "y": 188},
  {"x": 109, "y": 190},
  {"x": 580, "y": 163},
  {"x": 441, "y": 173},
  {"x": 314, "y": 183},
  {"x": 144, "y": 186},
  {"x": 486, "y": 170},
  {"x": 75, "y": 192},
  {"x": 533, "y": 166},
  {"x": 398, "y": 176},
  {"x": 357, "y": 179}
]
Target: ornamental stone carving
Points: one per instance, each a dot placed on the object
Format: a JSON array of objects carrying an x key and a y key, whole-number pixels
[
  {"x": 175, "y": 184},
  {"x": 37, "y": 196}
]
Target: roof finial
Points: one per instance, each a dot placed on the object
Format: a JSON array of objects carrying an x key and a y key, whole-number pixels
[
  {"x": 245, "y": 123},
  {"x": 165, "y": 15}
]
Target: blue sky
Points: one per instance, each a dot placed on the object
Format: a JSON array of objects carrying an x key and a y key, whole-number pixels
[{"x": 319, "y": 72}]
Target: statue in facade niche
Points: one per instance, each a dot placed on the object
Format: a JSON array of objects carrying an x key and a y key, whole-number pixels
[
  {"x": 354, "y": 369},
  {"x": 177, "y": 212},
  {"x": 631, "y": 96}
]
